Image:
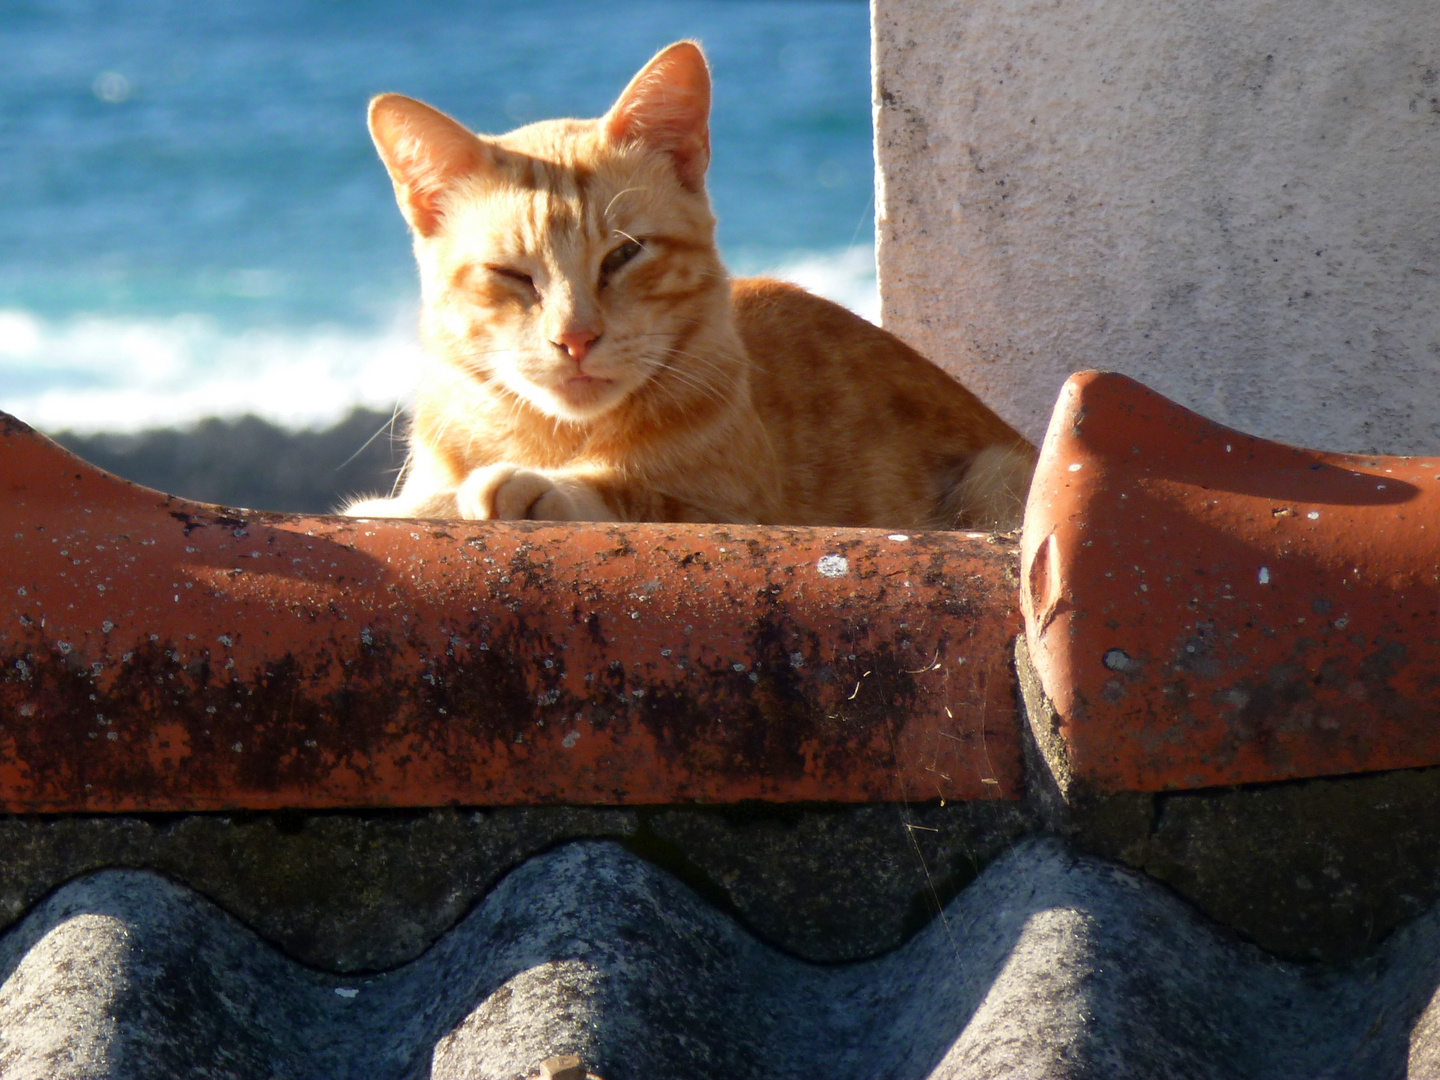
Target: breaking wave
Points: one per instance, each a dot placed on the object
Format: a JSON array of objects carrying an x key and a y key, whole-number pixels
[{"x": 91, "y": 373}]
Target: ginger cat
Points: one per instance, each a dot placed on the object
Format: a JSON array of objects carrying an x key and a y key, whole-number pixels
[{"x": 592, "y": 361}]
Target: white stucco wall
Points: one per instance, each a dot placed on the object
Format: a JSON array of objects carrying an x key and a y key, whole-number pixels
[{"x": 1235, "y": 201}]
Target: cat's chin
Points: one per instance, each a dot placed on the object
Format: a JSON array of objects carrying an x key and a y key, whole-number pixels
[{"x": 585, "y": 397}]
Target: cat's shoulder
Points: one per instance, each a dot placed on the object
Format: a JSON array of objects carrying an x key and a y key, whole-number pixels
[
  {"x": 762, "y": 297},
  {"x": 778, "y": 316}
]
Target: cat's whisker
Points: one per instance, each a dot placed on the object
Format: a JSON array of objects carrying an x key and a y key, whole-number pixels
[
  {"x": 388, "y": 424},
  {"x": 713, "y": 364},
  {"x": 689, "y": 378},
  {"x": 694, "y": 381},
  {"x": 615, "y": 198},
  {"x": 712, "y": 377},
  {"x": 394, "y": 415},
  {"x": 476, "y": 361},
  {"x": 750, "y": 362},
  {"x": 701, "y": 358},
  {"x": 515, "y": 411},
  {"x": 400, "y": 475}
]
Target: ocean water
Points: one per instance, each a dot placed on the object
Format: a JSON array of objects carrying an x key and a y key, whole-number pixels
[{"x": 193, "y": 221}]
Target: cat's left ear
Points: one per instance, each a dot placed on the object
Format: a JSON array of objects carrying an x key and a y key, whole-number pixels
[{"x": 667, "y": 107}]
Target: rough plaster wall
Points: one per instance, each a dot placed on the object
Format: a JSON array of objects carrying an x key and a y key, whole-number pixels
[{"x": 1235, "y": 201}]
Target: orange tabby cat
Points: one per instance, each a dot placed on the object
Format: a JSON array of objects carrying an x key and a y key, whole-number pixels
[{"x": 592, "y": 361}]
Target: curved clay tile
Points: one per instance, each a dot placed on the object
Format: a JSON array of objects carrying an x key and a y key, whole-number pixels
[
  {"x": 1207, "y": 608},
  {"x": 162, "y": 654}
]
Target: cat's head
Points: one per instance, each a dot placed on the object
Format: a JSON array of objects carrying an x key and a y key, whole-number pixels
[{"x": 569, "y": 260}]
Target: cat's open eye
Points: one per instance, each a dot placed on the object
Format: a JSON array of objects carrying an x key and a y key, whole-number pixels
[{"x": 618, "y": 258}]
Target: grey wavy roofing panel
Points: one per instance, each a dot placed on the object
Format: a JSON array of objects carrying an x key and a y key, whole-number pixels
[{"x": 1048, "y": 965}]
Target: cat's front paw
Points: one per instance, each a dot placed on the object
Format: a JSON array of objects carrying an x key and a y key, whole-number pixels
[
  {"x": 511, "y": 493},
  {"x": 439, "y": 504}
]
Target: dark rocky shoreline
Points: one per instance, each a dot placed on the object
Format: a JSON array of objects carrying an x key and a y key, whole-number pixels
[{"x": 252, "y": 463}]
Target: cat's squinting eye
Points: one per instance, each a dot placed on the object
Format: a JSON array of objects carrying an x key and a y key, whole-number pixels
[
  {"x": 618, "y": 258},
  {"x": 514, "y": 275}
]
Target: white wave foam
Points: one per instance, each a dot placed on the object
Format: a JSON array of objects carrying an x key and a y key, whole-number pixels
[
  {"x": 93, "y": 373},
  {"x": 114, "y": 374},
  {"x": 846, "y": 276}
]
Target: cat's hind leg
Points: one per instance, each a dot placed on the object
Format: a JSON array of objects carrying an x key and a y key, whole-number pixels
[{"x": 991, "y": 493}]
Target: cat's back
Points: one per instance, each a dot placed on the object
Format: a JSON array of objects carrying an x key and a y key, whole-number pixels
[{"x": 868, "y": 430}]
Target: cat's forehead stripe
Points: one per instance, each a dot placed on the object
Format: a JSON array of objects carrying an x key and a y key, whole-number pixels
[
  {"x": 680, "y": 244},
  {"x": 564, "y": 208}
]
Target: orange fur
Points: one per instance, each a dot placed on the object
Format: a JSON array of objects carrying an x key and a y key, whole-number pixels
[{"x": 591, "y": 360}]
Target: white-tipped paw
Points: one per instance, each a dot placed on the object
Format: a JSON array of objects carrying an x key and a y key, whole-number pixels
[
  {"x": 510, "y": 493},
  {"x": 502, "y": 492},
  {"x": 440, "y": 504}
]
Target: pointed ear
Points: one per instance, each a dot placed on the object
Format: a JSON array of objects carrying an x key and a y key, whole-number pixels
[
  {"x": 667, "y": 108},
  {"x": 425, "y": 152}
]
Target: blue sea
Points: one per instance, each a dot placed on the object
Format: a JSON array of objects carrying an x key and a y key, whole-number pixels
[{"x": 193, "y": 221}]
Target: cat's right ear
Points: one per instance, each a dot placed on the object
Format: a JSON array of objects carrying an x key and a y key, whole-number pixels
[{"x": 425, "y": 152}]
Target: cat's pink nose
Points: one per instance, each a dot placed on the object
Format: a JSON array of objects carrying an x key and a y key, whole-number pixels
[{"x": 576, "y": 342}]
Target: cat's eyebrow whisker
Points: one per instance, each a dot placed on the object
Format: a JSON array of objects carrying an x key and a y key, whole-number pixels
[{"x": 606, "y": 212}]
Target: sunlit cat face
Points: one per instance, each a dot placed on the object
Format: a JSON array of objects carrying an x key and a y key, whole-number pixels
[
  {"x": 570, "y": 273},
  {"x": 569, "y": 261}
]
